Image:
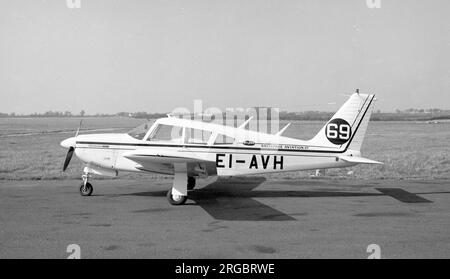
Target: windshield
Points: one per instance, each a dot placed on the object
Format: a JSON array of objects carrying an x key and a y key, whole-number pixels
[
  {"x": 140, "y": 131},
  {"x": 166, "y": 133}
]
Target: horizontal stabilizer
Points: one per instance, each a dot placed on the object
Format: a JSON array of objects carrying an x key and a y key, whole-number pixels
[{"x": 358, "y": 160}]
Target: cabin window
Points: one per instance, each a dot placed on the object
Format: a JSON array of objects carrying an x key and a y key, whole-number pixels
[
  {"x": 140, "y": 131},
  {"x": 223, "y": 139},
  {"x": 166, "y": 133},
  {"x": 197, "y": 136}
]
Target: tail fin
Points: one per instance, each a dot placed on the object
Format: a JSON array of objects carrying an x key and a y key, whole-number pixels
[{"x": 347, "y": 127}]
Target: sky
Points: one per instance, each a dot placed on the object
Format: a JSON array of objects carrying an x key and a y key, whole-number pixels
[{"x": 142, "y": 55}]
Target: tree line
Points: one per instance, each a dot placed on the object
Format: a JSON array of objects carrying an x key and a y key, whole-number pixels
[{"x": 398, "y": 115}]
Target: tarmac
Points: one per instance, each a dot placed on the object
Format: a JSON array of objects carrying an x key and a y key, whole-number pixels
[{"x": 241, "y": 217}]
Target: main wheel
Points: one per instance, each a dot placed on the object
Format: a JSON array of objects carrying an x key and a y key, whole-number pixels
[
  {"x": 176, "y": 199},
  {"x": 191, "y": 183},
  {"x": 86, "y": 190}
]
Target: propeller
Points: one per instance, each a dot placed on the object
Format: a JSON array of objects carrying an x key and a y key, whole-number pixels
[
  {"x": 79, "y": 127},
  {"x": 68, "y": 157},
  {"x": 70, "y": 143}
]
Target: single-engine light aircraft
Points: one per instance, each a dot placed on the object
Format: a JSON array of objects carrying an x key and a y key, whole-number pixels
[{"x": 191, "y": 149}]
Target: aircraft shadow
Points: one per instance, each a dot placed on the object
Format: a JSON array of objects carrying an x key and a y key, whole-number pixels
[{"x": 233, "y": 199}]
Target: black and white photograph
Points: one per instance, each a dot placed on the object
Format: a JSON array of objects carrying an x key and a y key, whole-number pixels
[{"x": 254, "y": 130}]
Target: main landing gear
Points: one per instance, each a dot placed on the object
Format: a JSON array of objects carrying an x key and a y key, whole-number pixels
[
  {"x": 175, "y": 199},
  {"x": 178, "y": 194},
  {"x": 86, "y": 188},
  {"x": 191, "y": 183}
]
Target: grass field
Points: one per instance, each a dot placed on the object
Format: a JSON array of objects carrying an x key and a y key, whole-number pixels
[{"x": 30, "y": 150}]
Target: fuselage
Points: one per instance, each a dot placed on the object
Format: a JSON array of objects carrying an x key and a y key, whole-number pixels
[
  {"x": 213, "y": 149},
  {"x": 108, "y": 151}
]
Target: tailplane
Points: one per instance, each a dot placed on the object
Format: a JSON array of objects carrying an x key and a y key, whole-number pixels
[{"x": 359, "y": 160}]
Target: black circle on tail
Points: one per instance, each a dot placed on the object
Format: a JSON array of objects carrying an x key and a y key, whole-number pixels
[{"x": 338, "y": 131}]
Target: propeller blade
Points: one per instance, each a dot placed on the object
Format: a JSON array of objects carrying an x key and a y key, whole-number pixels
[
  {"x": 68, "y": 157},
  {"x": 79, "y": 127}
]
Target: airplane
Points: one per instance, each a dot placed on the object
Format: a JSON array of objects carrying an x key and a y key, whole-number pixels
[{"x": 190, "y": 149}]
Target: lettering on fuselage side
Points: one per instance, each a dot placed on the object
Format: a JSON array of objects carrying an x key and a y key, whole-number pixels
[
  {"x": 224, "y": 161},
  {"x": 253, "y": 163},
  {"x": 278, "y": 162},
  {"x": 266, "y": 161},
  {"x": 284, "y": 146},
  {"x": 219, "y": 160}
]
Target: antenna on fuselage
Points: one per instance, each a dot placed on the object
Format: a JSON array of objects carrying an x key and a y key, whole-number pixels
[
  {"x": 282, "y": 130},
  {"x": 245, "y": 123}
]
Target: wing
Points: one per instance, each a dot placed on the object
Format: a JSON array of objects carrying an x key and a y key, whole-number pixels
[
  {"x": 151, "y": 160},
  {"x": 167, "y": 156}
]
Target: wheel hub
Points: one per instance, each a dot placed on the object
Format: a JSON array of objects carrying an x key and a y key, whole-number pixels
[{"x": 177, "y": 197}]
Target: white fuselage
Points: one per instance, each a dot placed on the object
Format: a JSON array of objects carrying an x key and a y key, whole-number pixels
[{"x": 107, "y": 151}]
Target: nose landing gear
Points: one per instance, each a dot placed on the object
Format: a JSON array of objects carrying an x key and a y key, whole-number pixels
[{"x": 86, "y": 188}]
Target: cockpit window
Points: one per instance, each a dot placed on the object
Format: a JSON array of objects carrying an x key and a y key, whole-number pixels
[
  {"x": 140, "y": 131},
  {"x": 197, "y": 136},
  {"x": 166, "y": 133},
  {"x": 223, "y": 139}
]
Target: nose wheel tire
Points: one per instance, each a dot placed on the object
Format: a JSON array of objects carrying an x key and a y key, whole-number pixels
[
  {"x": 176, "y": 199},
  {"x": 86, "y": 190}
]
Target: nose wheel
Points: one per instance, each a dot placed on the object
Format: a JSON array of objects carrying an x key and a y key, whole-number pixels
[{"x": 86, "y": 188}]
